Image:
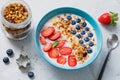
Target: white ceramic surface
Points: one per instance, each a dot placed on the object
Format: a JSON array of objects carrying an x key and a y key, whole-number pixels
[{"x": 44, "y": 71}]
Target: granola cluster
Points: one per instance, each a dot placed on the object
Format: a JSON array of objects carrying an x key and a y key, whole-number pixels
[
  {"x": 15, "y": 13},
  {"x": 64, "y": 26}
]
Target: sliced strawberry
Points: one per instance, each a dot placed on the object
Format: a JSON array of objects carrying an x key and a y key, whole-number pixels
[
  {"x": 42, "y": 40},
  {"x": 55, "y": 36},
  {"x": 53, "y": 53},
  {"x": 61, "y": 43},
  {"x": 61, "y": 60},
  {"x": 47, "y": 32},
  {"x": 65, "y": 51},
  {"x": 72, "y": 61},
  {"x": 47, "y": 47}
]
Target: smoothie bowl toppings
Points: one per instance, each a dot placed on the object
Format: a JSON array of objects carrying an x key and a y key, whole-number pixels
[{"x": 67, "y": 40}]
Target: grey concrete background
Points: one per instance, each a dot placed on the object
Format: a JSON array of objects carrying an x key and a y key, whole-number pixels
[{"x": 44, "y": 71}]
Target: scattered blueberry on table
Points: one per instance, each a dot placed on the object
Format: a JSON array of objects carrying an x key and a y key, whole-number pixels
[
  {"x": 9, "y": 52},
  {"x": 6, "y": 60},
  {"x": 30, "y": 74}
]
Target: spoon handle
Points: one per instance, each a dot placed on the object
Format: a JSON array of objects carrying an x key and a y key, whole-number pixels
[{"x": 103, "y": 67}]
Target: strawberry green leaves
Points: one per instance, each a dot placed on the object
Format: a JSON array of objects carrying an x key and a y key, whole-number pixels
[
  {"x": 114, "y": 17},
  {"x": 54, "y": 44}
]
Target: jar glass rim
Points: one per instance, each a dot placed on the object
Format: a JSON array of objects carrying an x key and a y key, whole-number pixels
[{"x": 19, "y": 25}]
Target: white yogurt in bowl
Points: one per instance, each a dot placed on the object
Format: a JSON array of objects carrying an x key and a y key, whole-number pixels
[{"x": 80, "y": 38}]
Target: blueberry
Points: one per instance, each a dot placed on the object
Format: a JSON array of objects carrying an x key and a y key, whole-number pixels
[
  {"x": 78, "y": 36},
  {"x": 77, "y": 27},
  {"x": 73, "y": 32},
  {"x": 78, "y": 20},
  {"x": 30, "y": 74},
  {"x": 91, "y": 43},
  {"x": 83, "y": 45},
  {"x": 87, "y": 29},
  {"x": 81, "y": 41},
  {"x": 9, "y": 52},
  {"x": 6, "y": 60},
  {"x": 82, "y": 32},
  {"x": 84, "y": 24},
  {"x": 69, "y": 17},
  {"x": 73, "y": 22},
  {"x": 90, "y": 34},
  {"x": 89, "y": 50},
  {"x": 86, "y": 39}
]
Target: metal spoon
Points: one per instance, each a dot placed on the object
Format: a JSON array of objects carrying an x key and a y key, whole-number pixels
[{"x": 112, "y": 43}]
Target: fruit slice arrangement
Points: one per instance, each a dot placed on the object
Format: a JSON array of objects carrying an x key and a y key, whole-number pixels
[{"x": 55, "y": 48}]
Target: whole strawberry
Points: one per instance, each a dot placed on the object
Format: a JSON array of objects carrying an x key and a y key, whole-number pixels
[{"x": 109, "y": 18}]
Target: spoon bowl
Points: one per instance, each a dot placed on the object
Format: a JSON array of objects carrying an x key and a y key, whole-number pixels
[{"x": 112, "y": 41}]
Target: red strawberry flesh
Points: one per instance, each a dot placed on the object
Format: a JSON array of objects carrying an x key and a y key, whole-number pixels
[
  {"x": 55, "y": 36},
  {"x": 53, "y": 53},
  {"x": 72, "y": 61},
  {"x": 65, "y": 51},
  {"x": 47, "y": 32},
  {"x": 61, "y": 60},
  {"x": 47, "y": 47},
  {"x": 61, "y": 43},
  {"x": 42, "y": 40}
]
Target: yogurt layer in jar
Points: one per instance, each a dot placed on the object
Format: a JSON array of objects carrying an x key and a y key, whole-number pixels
[{"x": 16, "y": 19}]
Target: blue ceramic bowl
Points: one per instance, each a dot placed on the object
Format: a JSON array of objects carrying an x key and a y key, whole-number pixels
[{"x": 76, "y": 12}]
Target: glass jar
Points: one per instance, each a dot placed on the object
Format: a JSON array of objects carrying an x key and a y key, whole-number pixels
[{"x": 16, "y": 19}]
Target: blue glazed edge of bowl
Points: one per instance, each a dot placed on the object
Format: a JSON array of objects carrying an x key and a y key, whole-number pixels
[{"x": 75, "y": 11}]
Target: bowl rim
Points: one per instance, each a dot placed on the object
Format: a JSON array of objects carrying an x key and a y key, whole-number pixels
[{"x": 76, "y": 68}]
